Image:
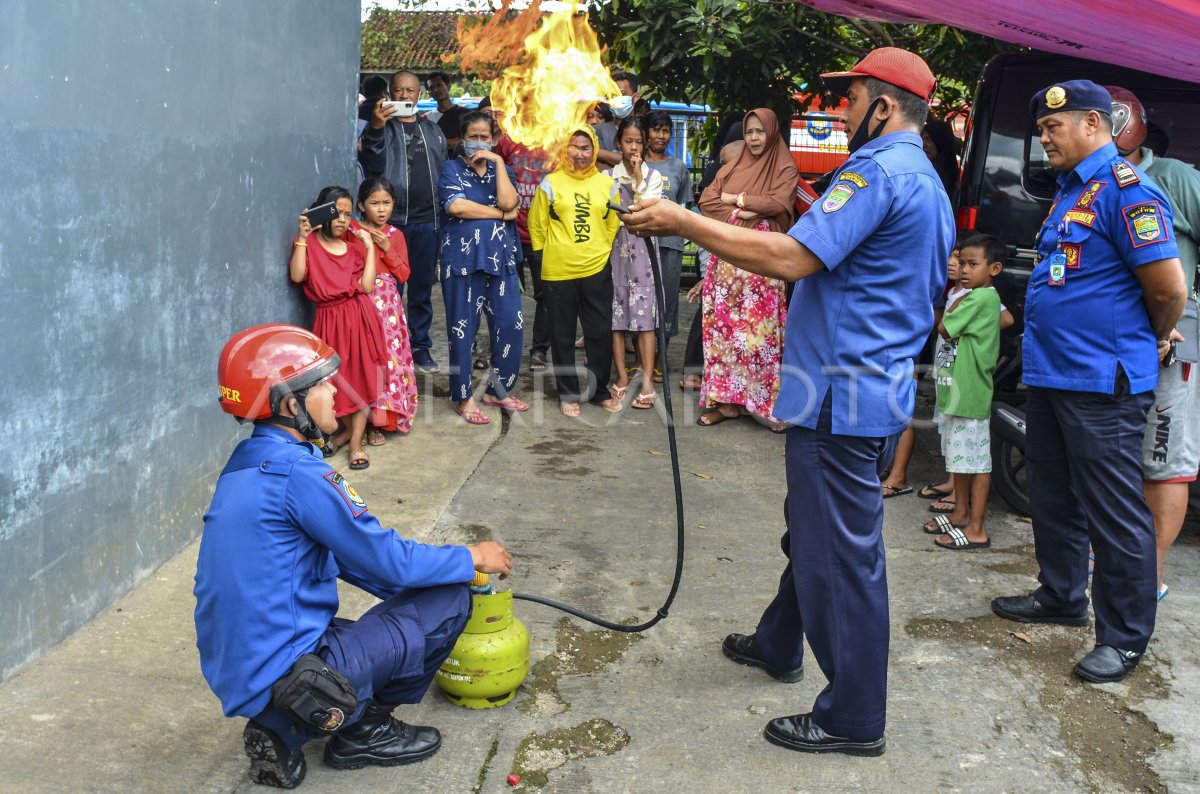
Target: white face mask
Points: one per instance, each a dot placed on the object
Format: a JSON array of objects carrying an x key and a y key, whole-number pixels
[{"x": 621, "y": 106}]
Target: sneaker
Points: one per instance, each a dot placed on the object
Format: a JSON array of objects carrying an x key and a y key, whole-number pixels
[
  {"x": 424, "y": 361},
  {"x": 271, "y": 762}
]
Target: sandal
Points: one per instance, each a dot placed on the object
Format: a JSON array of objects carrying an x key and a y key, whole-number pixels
[
  {"x": 931, "y": 491},
  {"x": 942, "y": 506},
  {"x": 475, "y": 417},
  {"x": 938, "y": 525},
  {"x": 644, "y": 401},
  {"x": 892, "y": 490},
  {"x": 510, "y": 404},
  {"x": 480, "y": 364},
  {"x": 612, "y": 405},
  {"x": 330, "y": 448},
  {"x": 715, "y": 416},
  {"x": 959, "y": 541},
  {"x": 537, "y": 362},
  {"x": 375, "y": 437},
  {"x": 359, "y": 460},
  {"x": 618, "y": 392},
  {"x": 658, "y": 376},
  {"x": 569, "y": 409},
  {"x": 690, "y": 383}
]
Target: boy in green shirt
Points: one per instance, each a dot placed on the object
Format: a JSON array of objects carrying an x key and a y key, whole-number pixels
[{"x": 964, "y": 392}]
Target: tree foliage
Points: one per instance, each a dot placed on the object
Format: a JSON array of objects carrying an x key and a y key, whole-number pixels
[{"x": 734, "y": 54}]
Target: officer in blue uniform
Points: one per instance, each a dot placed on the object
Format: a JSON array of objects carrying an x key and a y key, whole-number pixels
[
  {"x": 869, "y": 263},
  {"x": 283, "y": 527},
  {"x": 1100, "y": 313}
]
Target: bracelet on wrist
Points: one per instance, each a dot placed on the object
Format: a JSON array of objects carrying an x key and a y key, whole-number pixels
[{"x": 299, "y": 244}]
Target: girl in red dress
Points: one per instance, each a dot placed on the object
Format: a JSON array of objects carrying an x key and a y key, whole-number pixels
[
  {"x": 338, "y": 274},
  {"x": 396, "y": 404}
]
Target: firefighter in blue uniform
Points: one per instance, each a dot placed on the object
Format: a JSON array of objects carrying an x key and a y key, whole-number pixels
[
  {"x": 869, "y": 263},
  {"x": 283, "y": 527},
  {"x": 1100, "y": 313}
]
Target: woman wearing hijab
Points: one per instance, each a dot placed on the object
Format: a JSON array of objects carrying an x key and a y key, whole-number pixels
[
  {"x": 571, "y": 224},
  {"x": 744, "y": 313},
  {"x": 941, "y": 147}
]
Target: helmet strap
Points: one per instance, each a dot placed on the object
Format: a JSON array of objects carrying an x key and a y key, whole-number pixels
[{"x": 301, "y": 422}]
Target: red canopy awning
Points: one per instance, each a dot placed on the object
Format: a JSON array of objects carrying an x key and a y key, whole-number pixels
[{"x": 1157, "y": 36}]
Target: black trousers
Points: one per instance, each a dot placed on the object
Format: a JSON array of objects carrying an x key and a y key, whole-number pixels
[
  {"x": 588, "y": 300},
  {"x": 693, "y": 353},
  {"x": 1084, "y": 469},
  {"x": 541, "y": 323}
]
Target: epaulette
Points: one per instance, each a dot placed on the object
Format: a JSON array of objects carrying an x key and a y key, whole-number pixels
[{"x": 1124, "y": 174}]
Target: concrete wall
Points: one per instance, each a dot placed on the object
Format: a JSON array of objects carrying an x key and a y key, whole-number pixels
[{"x": 154, "y": 155}]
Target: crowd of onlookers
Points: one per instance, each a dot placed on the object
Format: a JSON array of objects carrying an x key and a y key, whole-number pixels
[{"x": 445, "y": 196}]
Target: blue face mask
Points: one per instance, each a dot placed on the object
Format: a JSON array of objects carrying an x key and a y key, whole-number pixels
[
  {"x": 621, "y": 106},
  {"x": 472, "y": 148}
]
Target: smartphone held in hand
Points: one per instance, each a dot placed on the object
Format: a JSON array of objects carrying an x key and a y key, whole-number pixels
[{"x": 321, "y": 214}]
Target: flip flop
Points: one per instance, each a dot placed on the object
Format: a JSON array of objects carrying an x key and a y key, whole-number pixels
[
  {"x": 941, "y": 526},
  {"x": 569, "y": 409},
  {"x": 720, "y": 417},
  {"x": 894, "y": 491},
  {"x": 959, "y": 542},
  {"x": 933, "y": 508},
  {"x": 329, "y": 449},
  {"x": 645, "y": 401},
  {"x": 658, "y": 376},
  {"x": 510, "y": 404},
  {"x": 359, "y": 460},
  {"x": 475, "y": 417},
  {"x": 375, "y": 438},
  {"x": 931, "y": 491},
  {"x": 685, "y": 386}
]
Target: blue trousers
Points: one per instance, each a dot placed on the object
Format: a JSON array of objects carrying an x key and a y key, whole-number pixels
[
  {"x": 834, "y": 589},
  {"x": 1084, "y": 469},
  {"x": 422, "y": 258},
  {"x": 467, "y": 298},
  {"x": 390, "y": 654}
]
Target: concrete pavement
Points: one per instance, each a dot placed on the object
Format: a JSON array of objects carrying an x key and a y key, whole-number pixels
[{"x": 975, "y": 704}]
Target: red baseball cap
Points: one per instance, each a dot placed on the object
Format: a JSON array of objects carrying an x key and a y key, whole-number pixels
[{"x": 893, "y": 65}]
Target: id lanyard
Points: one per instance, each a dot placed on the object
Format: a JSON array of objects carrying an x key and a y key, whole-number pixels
[{"x": 1058, "y": 259}]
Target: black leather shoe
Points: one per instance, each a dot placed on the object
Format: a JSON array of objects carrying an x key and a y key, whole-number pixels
[
  {"x": 1106, "y": 664},
  {"x": 271, "y": 762},
  {"x": 744, "y": 650},
  {"x": 799, "y": 732},
  {"x": 379, "y": 740},
  {"x": 1026, "y": 609}
]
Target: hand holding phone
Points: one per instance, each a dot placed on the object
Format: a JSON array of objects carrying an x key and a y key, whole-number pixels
[{"x": 322, "y": 214}]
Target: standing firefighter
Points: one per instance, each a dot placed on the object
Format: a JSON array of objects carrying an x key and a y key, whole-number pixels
[
  {"x": 1100, "y": 311},
  {"x": 283, "y": 527},
  {"x": 863, "y": 262}
]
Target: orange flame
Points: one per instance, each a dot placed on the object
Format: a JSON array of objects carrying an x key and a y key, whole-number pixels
[{"x": 547, "y": 83}]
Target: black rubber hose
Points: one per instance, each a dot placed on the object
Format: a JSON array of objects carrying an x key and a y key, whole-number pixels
[{"x": 661, "y": 300}]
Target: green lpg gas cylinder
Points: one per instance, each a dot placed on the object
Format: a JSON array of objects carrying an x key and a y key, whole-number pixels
[{"x": 491, "y": 658}]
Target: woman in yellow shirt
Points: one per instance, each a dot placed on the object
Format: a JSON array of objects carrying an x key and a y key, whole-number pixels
[{"x": 571, "y": 224}]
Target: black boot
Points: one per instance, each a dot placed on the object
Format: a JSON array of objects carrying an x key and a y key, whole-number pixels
[
  {"x": 380, "y": 740},
  {"x": 271, "y": 762}
]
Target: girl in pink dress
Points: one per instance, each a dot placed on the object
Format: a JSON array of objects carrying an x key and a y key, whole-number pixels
[
  {"x": 395, "y": 406},
  {"x": 338, "y": 274}
]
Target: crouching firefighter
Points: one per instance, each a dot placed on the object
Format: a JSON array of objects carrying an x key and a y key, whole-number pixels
[{"x": 283, "y": 527}]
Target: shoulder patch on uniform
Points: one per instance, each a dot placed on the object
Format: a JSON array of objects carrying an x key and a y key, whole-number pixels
[
  {"x": 1088, "y": 196},
  {"x": 1145, "y": 224},
  {"x": 1081, "y": 216},
  {"x": 853, "y": 178},
  {"x": 837, "y": 197},
  {"x": 1074, "y": 254},
  {"x": 342, "y": 486},
  {"x": 1124, "y": 174}
]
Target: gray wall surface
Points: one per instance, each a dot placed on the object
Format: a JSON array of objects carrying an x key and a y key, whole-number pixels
[{"x": 154, "y": 155}]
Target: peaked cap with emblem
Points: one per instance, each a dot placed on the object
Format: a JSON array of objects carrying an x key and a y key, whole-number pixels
[{"x": 1071, "y": 95}]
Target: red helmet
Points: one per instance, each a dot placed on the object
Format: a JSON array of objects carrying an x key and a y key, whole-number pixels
[
  {"x": 261, "y": 365},
  {"x": 1128, "y": 119}
]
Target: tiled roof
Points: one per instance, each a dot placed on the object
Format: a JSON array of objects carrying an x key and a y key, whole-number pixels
[{"x": 409, "y": 40}]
